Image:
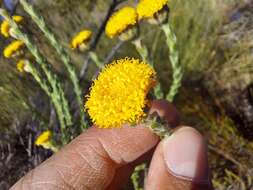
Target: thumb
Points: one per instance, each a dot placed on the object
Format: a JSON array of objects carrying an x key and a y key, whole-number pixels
[{"x": 180, "y": 163}]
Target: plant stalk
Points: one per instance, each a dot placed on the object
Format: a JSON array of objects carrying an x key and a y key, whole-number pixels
[
  {"x": 177, "y": 70},
  {"x": 57, "y": 90},
  {"x": 62, "y": 54}
]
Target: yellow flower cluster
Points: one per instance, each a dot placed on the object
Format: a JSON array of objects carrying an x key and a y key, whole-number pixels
[
  {"x": 44, "y": 138},
  {"x": 13, "y": 48},
  {"x": 147, "y": 8},
  {"x": 81, "y": 38},
  {"x": 119, "y": 94},
  {"x": 120, "y": 21},
  {"x": 5, "y": 26}
]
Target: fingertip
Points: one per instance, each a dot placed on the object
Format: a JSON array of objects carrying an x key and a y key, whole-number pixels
[
  {"x": 180, "y": 161},
  {"x": 166, "y": 111},
  {"x": 185, "y": 154}
]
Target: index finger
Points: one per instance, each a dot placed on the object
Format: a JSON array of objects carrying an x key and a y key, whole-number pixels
[{"x": 91, "y": 160}]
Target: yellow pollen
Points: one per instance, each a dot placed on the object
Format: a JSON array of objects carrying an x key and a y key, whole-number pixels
[
  {"x": 119, "y": 95},
  {"x": 120, "y": 21}
]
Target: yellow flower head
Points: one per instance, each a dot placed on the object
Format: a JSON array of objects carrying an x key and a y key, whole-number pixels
[
  {"x": 13, "y": 48},
  {"x": 5, "y": 26},
  {"x": 82, "y": 37},
  {"x": 119, "y": 94},
  {"x": 120, "y": 21},
  {"x": 147, "y": 8},
  {"x": 21, "y": 65},
  {"x": 44, "y": 138}
]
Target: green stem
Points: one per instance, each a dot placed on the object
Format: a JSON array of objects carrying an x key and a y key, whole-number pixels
[
  {"x": 135, "y": 176},
  {"x": 143, "y": 51},
  {"x": 96, "y": 60},
  {"x": 177, "y": 75},
  {"x": 159, "y": 127},
  {"x": 33, "y": 71},
  {"x": 63, "y": 56},
  {"x": 57, "y": 90}
]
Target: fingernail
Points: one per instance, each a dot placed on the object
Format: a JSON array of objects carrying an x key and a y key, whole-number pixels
[{"x": 185, "y": 154}]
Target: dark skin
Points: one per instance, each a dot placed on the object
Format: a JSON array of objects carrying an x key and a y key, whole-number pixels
[{"x": 105, "y": 158}]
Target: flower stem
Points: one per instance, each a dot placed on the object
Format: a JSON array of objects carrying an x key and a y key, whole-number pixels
[
  {"x": 160, "y": 130},
  {"x": 34, "y": 72},
  {"x": 142, "y": 50},
  {"x": 135, "y": 176},
  {"x": 158, "y": 126},
  {"x": 62, "y": 54},
  {"x": 177, "y": 75},
  {"x": 57, "y": 94},
  {"x": 96, "y": 60}
]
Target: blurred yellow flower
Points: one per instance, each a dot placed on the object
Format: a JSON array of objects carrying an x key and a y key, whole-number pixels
[
  {"x": 120, "y": 21},
  {"x": 13, "y": 48},
  {"x": 44, "y": 138},
  {"x": 119, "y": 94},
  {"x": 147, "y": 8},
  {"x": 5, "y": 27},
  {"x": 82, "y": 37},
  {"x": 21, "y": 65}
]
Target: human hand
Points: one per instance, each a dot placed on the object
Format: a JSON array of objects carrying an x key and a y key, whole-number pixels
[{"x": 105, "y": 158}]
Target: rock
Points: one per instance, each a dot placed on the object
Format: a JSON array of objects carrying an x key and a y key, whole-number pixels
[{"x": 230, "y": 84}]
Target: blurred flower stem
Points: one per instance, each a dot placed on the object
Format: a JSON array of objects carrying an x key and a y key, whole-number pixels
[
  {"x": 57, "y": 94},
  {"x": 136, "y": 177},
  {"x": 96, "y": 60},
  {"x": 142, "y": 50},
  {"x": 62, "y": 54},
  {"x": 177, "y": 70}
]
